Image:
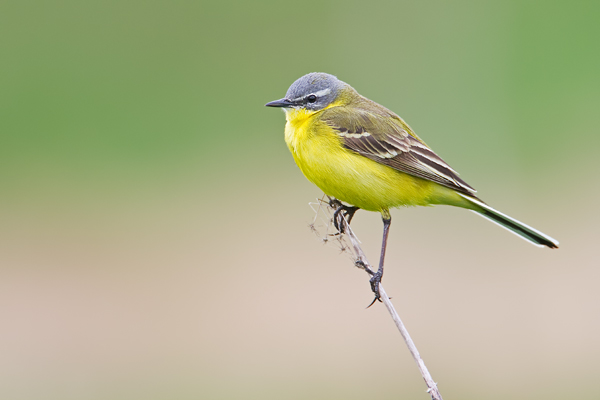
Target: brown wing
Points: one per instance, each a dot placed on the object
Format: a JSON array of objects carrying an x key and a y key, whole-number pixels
[{"x": 385, "y": 138}]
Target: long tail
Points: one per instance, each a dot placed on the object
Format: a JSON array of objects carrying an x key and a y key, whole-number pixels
[{"x": 526, "y": 232}]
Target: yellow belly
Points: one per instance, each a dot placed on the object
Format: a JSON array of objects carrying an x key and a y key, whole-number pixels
[{"x": 353, "y": 178}]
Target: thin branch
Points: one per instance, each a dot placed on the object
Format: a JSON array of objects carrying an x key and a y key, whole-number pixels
[{"x": 362, "y": 262}]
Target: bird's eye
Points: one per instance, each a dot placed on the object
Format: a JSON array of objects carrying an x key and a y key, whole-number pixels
[{"x": 312, "y": 98}]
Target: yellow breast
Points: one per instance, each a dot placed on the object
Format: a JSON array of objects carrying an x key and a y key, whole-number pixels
[{"x": 346, "y": 175}]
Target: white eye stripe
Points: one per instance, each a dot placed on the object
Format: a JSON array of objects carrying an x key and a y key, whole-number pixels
[{"x": 322, "y": 92}]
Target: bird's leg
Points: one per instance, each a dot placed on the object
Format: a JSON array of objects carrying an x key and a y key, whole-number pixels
[
  {"x": 346, "y": 212},
  {"x": 376, "y": 278}
]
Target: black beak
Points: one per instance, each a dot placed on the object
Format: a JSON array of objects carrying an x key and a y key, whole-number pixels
[{"x": 280, "y": 103}]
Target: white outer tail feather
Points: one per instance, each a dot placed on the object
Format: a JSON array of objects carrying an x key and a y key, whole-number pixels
[{"x": 521, "y": 225}]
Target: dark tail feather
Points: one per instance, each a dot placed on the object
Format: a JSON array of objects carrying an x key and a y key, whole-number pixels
[{"x": 526, "y": 232}]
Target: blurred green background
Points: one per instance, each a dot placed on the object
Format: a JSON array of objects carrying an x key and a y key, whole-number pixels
[{"x": 153, "y": 226}]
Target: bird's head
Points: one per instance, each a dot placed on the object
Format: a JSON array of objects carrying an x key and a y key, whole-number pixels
[{"x": 313, "y": 92}]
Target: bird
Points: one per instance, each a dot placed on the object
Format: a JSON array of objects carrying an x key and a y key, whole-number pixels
[{"x": 366, "y": 157}]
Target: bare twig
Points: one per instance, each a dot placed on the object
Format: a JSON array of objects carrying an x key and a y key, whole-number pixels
[{"x": 362, "y": 262}]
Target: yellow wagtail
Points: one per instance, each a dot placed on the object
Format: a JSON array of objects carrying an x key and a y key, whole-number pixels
[{"x": 363, "y": 154}]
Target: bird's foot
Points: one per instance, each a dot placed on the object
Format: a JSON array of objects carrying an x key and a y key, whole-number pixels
[
  {"x": 343, "y": 212},
  {"x": 374, "y": 281}
]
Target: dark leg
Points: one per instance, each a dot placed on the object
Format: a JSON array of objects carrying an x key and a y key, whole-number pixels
[
  {"x": 346, "y": 212},
  {"x": 376, "y": 278}
]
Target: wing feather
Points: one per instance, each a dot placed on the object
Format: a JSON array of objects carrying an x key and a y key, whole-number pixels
[{"x": 385, "y": 138}]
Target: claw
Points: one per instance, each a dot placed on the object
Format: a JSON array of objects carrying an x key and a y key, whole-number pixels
[
  {"x": 342, "y": 212},
  {"x": 374, "y": 281},
  {"x": 373, "y": 302}
]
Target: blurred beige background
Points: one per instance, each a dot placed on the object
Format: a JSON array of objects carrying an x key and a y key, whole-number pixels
[{"x": 154, "y": 239}]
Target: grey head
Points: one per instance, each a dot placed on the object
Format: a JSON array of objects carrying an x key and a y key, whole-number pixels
[{"x": 313, "y": 91}]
